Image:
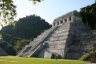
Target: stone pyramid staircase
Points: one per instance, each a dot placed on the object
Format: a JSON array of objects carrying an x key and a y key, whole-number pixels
[
  {"x": 56, "y": 43},
  {"x": 36, "y": 44},
  {"x": 56, "y": 35}
]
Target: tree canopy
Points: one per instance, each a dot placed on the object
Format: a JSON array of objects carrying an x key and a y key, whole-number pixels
[
  {"x": 30, "y": 26},
  {"x": 89, "y": 15},
  {"x": 35, "y": 1},
  {"x": 7, "y": 11},
  {"x": 25, "y": 30}
]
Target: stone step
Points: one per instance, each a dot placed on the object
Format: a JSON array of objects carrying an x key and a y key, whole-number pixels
[
  {"x": 37, "y": 42},
  {"x": 53, "y": 39},
  {"x": 62, "y": 32},
  {"x": 60, "y": 47}
]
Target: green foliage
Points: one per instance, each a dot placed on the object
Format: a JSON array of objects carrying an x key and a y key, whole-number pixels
[
  {"x": 89, "y": 15},
  {"x": 29, "y": 27},
  {"x": 35, "y": 1},
  {"x": 7, "y": 32},
  {"x": 24, "y": 30},
  {"x": 85, "y": 56},
  {"x": 7, "y": 11},
  {"x": 19, "y": 44},
  {"x": 22, "y": 60},
  {"x": 7, "y": 47}
]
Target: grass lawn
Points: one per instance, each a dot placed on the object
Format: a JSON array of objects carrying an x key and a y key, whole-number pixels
[{"x": 22, "y": 60}]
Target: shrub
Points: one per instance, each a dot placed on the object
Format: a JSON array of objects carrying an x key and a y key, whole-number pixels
[{"x": 85, "y": 56}]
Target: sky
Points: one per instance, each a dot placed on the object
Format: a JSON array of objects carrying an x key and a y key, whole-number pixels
[{"x": 49, "y": 9}]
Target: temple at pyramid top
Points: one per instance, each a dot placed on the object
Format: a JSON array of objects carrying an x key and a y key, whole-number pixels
[{"x": 69, "y": 17}]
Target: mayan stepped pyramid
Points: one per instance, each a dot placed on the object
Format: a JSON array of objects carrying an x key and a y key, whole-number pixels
[{"x": 62, "y": 40}]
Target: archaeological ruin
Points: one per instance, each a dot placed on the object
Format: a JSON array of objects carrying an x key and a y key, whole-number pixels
[{"x": 62, "y": 40}]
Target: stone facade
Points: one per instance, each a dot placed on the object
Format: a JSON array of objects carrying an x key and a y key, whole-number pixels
[
  {"x": 88, "y": 40},
  {"x": 63, "y": 40}
]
